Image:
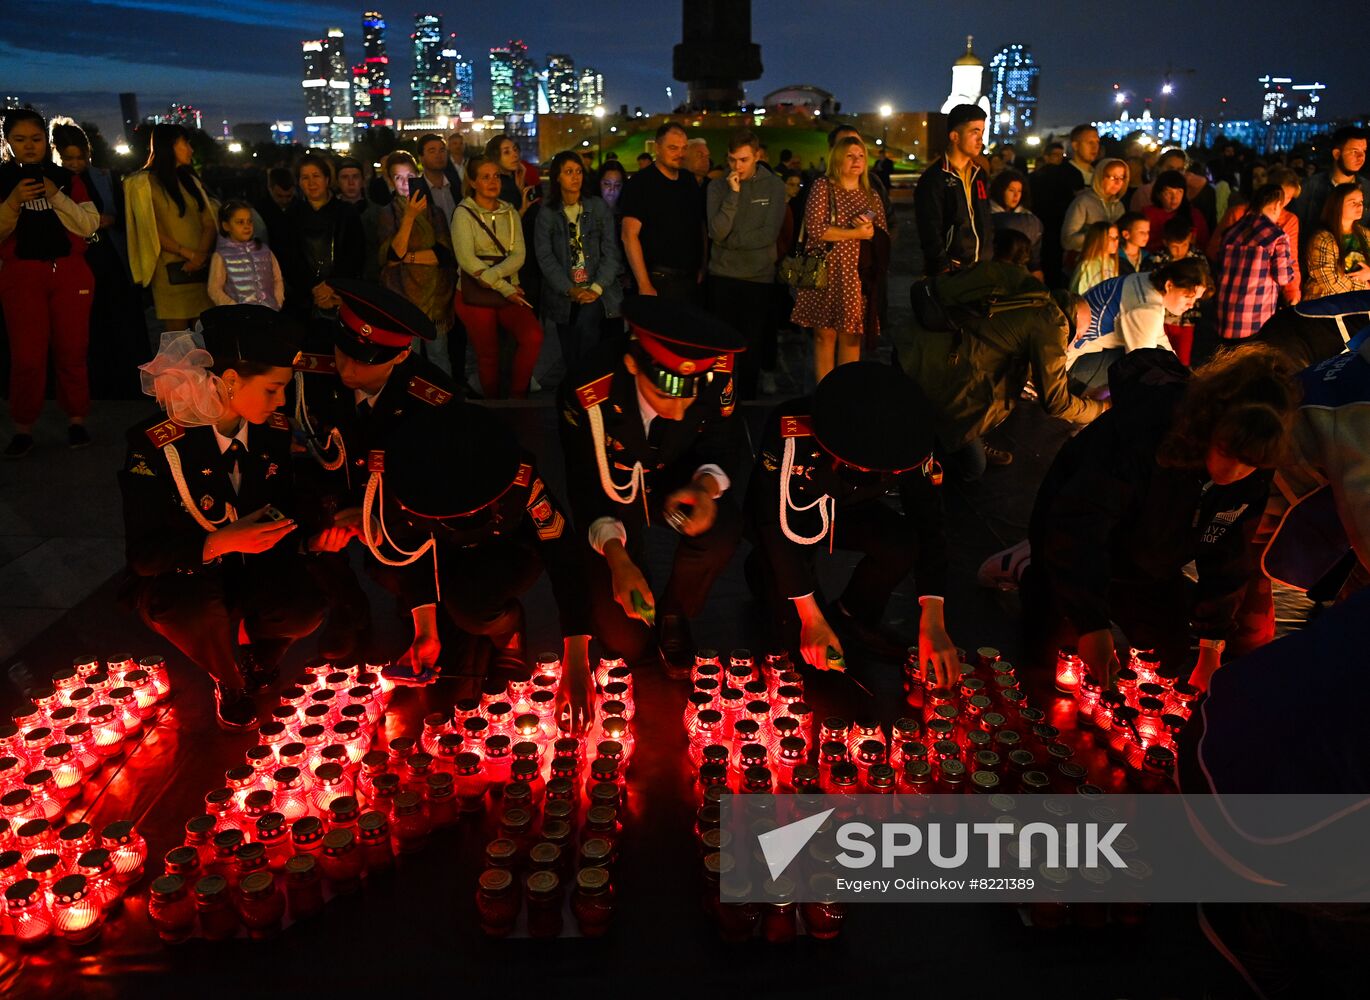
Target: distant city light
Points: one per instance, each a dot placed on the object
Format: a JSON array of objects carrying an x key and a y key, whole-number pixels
[
  {"x": 599, "y": 111},
  {"x": 886, "y": 111},
  {"x": 1168, "y": 89},
  {"x": 122, "y": 149},
  {"x": 1034, "y": 140},
  {"x": 1119, "y": 98},
  {"x": 235, "y": 147}
]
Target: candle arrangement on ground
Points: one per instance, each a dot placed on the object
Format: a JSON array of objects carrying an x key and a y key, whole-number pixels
[
  {"x": 750, "y": 731},
  {"x": 60, "y": 878},
  {"x": 560, "y": 810}
]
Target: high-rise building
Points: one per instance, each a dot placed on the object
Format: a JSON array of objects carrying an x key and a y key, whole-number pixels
[
  {"x": 591, "y": 90},
  {"x": 431, "y": 83},
  {"x": 513, "y": 79},
  {"x": 563, "y": 88},
  {"x": 371, "y": 77},
  {"x": 327, "y": 92},
  {"x": 463, "y": 83},
  {"x": 967, "y": 82},
  {"x": 128, "y": 111},
  {"x": 1287, "y": 101},
  {"x": 1012, "y": 92}
]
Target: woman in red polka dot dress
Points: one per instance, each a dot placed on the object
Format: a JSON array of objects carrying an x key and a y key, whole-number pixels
[{"x": 842, "y": 211}]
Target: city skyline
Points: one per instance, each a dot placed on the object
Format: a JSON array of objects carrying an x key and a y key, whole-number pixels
[{"x": 77, "y": 65}]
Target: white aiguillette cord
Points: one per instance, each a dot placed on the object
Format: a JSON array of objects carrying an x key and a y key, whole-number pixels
[
  {"x": 625, "y": 494},
  {"x": 375, "y": 495},
  {"x": 178, "y": 476},
  {"x": 827, "y": 506}
]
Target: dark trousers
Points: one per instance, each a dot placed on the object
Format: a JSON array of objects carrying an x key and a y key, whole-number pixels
[
  {"x": 747, "y": 307},
  {"x": 889, "y": 547},
  {"x": 199, "y": 613},
  {"x": 677, "y": 286},
  {"x": 346, "y": 636},
  {"x": 580, "y": 333},
  {"x": 698, "y": 562},
  {"x": 1152, "y": 614}
]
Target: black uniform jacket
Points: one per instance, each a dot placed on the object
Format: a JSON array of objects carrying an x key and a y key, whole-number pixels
[
  {"x": 160, "y": 534},
  {"x": 414, "y": 384},
  {"x": 812, "y": 476},
  {"x": 708, "y": 434}
]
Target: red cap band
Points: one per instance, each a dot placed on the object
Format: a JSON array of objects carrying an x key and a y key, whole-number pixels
[
  {"x": 667, "y": 358},
  {"x": 369, "y": 332}
]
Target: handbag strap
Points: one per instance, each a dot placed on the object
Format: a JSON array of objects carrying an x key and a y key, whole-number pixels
[
  {"x": 832, "y": 215},
  {"x": 488, "y": 231}
]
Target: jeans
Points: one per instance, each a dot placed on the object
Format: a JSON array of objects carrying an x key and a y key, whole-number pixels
[
  {"x": 968, "y": 462},
  {"x": 1091, "y": 370},
  {"x": 580, "y": 334}
]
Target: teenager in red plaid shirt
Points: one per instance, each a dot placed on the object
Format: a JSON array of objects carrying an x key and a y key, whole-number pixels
[{"x": 1256, "y": 263}]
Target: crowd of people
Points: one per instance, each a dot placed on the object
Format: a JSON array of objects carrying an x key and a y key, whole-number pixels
[{"x": 1082, "y": 285}]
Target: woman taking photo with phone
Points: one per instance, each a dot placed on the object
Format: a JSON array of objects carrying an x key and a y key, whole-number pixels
[
  {"x": 45, "y": 286},
  {"x": 416, "y": 255}
]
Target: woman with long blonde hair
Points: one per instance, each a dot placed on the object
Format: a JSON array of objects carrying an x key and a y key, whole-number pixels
[{"x": 840, "y": 219}]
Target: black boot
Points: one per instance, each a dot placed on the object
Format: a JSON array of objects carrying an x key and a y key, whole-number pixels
[
  {"x": 256, "y": 674},
  {"x": 676, "y": 646},
  {"x": 507, "y": 636},
  {"x": 235, "y": 709}
]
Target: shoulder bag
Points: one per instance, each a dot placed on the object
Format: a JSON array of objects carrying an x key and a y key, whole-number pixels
[
  {"x": 473, "y": 291},
  {"x": 802, "y": 269}
]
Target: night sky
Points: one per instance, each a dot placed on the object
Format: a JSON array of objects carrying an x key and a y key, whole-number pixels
[{"x": 241, "y": 60}]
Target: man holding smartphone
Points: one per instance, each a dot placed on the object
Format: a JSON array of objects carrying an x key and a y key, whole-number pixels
[{"x": 745, "y": 211}]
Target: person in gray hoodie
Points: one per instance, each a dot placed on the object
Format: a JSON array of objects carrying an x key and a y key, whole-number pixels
[{"x": 745, "y": 211}]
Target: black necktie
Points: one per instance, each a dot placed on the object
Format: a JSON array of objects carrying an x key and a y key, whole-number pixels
[{"x": 231, "y": 455}]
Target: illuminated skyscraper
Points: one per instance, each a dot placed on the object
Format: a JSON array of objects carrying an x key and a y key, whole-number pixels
[
  {"x": 590, "y": 90},
  {"x": 1012, "y": 92},
  {"x": 563, "y": 90},
  {"x": 371, "y": 77},
  {"x": 513, "y": 79},
  {"x": 463, "y": 83},
  {"x": 327, "y": 92},
  {"x": 431, "y": 83},
  {"x": 1287, "y": 101}
]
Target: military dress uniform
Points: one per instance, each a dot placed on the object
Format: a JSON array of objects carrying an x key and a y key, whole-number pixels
[
  {"x": 342, "y": 426},
  {"x": 623, "y": 460},
  {"x": 179, "y": 483},
  {"x": 826, "y": 465},
  {"x": 470, "y": 525}
]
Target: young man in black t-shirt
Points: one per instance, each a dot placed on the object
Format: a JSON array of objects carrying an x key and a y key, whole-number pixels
[{"x": 663, "y": 222}]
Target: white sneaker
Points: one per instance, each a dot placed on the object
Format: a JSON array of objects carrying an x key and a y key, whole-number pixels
[{"x": 1004, "y": 570}]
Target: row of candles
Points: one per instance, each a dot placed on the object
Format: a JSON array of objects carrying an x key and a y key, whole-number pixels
[
  {"x": 560, "y": 827},
  {"x": 750, "y": 730},
  {"x": 314, "y": 810},
  {"x": 58, "y": 878},
  {"x": 1140, "y": 716}
]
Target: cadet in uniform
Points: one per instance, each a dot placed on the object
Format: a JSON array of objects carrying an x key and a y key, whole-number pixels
[
  {"x": 827, "y": 462},
  {"x": 209, "y": 502},
  {"x": 346, "y": 402},
  {"x": 460, "y": 507},
  {"x": 649, "y": 438}
]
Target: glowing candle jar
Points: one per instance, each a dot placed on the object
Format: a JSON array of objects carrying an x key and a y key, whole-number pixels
[
  {"x": 306, "y": 834},
  {"x": 47, "y": 698},
  {"x": 548, "y": 665},
  {"x": 475, "y": 731},
  {"x": 125, "y": 701},
  {"x": 869, "y": 752},
  {"x": 1069, "y": 669},
  {"x": 342, "y": 861},
  {"x": 35, "y": 741},
  {"x": 292, "y": 799},
  {"x": 1182, "y": 699},
  {"x": 11, "y": 871},
  {"x": 368, "y": 700},
  {"x": 17, "y": 805},
  {"x": 102, "y": 682},
  {"x": 314, "y": 673},
  {"x": 156, "y": 669},
  {"x": 46, "y": 868},
  {"x": 1109, "y": 701},
  {"x": 64, "y": 681},
  {"x": 258, "y": 803},
  {"x": 183, "y": 861},
  {"x": 1122, "y": 732},
  {"x": 329, "y": 783},
  {"x": 1087, "y": 697},
  {"x": 543, "y": 705},
  {"x": 144, "y": 694},
  {"x": 27, "y": 716},
  {"x": 410, "y": 825},
  {"x": 221, "y": 804},
  {"x": 60, "y": 760},
  {"x": 497, "y": 902},
  {"x": 36, "y": 837},
  {"x": 273, "y": 834},
  {"x": 85, "y": 665},
  {"x": 247, "y": 859},
  {"x": 824, "y": 915},
  {"x": 383, "y": 791},
  {"x": 526, "y": 727},
  {"x": 1150, "y": 730},
  {"x": 435, "y": 725},
  {"x": 170, "y": 909},
  {"x": 495, "y": 758},
  {"x": 373, "y": 764},
  {"x": 261, "y": 905},
  {"x": 373, "y": 834},
  {"x": 45, "y": 803},
  {"x": 30, "y": 922}
]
